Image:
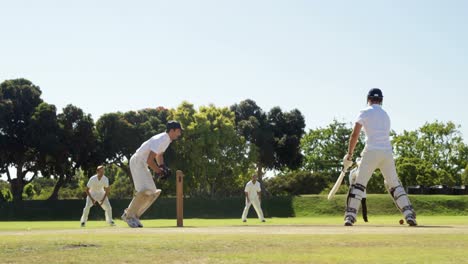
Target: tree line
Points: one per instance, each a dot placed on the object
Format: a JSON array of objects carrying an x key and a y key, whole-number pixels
[{"x": 220, "y": 149}]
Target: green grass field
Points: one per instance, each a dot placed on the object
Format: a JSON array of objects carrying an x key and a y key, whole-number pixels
[{"x": 442, "y": 239}]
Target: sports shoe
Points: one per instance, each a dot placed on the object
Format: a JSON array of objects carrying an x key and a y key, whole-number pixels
[
  {"x": 83, "y": 224},
  {"x": 140, "y": 225},
  {"x": 112, "y": 223},
  {"x": 132, "y": 222},
  {"x": 263, "y": 221},
  {"x": 411, "y": 221},
  {"x": 348, "y": 222},
  {"x": 244, "y": 220}
]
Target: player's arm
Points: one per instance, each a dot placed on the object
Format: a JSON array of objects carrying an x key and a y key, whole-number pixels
[
  {"x": 353, "y": 140},
  {"x": 89, "y": 195},
  {"x": 152, "y": 162},
  {"x": 247, "y": 196},
  {"x": 160, "y": 159}
]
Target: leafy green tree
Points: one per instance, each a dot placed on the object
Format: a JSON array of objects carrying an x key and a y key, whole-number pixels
[
  {"x": 121, "y": 134},
  {"x": 29, "y": 191},
  {"x": 68, "y": 144},
  {"x": 437, "y": 152},
  {"x": 465, "y": 176},
  {"x": 80, "y": 146},
  {"x": 5, "y": 193},
  {"x": 210, "y": 151},
  {"x": 121, "y": 186},
  {"x": 19, "y": 100},
  {"x": 43, "y": 187},
  {"x": 324, "y": 149},
  {"x": 273, "y": 138},
  {"x": 297, "y": 182}
]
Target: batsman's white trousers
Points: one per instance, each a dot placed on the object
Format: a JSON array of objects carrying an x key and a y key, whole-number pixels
[
  {"x": 256, "y": 204},
  {"x": 142, "y": 178},
  {"x": 377, "y": 159},
  {"x": 105, "y": 205}
]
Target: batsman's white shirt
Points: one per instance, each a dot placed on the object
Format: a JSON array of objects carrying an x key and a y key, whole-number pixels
[
  {"x": 252, "y": 189},
  {"x": 376, "y": 125},
  {"x": 158, "y": 144},
  {"x": 142, "y": 178},
  {"x": 96, "y": 186}
]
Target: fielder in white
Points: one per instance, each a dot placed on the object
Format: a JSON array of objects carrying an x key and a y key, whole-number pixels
[
  {"x": 253, "y": 197},
  {"x": 377, "y": 154},
  {"x": 97, "y": 191},
  {"x": 150, "y": 154}
]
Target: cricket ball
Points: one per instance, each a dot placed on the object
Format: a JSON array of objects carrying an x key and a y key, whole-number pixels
[{"x": 401, "y": 221}]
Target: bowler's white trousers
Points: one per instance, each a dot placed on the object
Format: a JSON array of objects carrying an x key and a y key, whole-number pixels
[{"x": 256, "y": 204}]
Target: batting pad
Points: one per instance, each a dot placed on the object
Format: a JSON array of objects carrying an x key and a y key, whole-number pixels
[
  {"x": 150, "y": 199},
  {"x": 138, "y": 202},
  {"x": 402, "y": 202}
]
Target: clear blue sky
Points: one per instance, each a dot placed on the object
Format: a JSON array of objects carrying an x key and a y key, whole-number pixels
[{"x": 318, "y": 56}]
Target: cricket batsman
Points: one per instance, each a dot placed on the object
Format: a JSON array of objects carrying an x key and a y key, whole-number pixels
[
  {"x": 377, "y": 154},
  {"x": 150, "y": 154}
]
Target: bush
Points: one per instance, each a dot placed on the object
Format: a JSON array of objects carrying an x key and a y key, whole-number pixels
[{"x": 297, "y": 182}]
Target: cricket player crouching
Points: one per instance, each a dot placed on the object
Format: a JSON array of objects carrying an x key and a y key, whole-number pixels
[
  {"x": 97, "y": 191},
  {"x": 150, "y": 154}
]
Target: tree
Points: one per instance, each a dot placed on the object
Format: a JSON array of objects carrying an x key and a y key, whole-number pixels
[
  {"x": 210, "y": 151},
  {"x": 5, "y": 193},
  {"x": 77, "y": 147},
  {"x": 436, "y": 151},
  {"x": 297, "y": 182},
  {"x": 273, "y": 139},
  {"x": 288, "y": 129},
  {"x": 324, "y": 149},
  {"x": 465, "y": 176},
  {"x": 121, "y": 134},
  {"x": 121, "y": 185},
  {"x": 19, "y": 100}
]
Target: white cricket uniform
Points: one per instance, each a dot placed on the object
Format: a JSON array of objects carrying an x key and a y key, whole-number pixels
[
  {"x": 377, "y": 153},
  {"x": 252, "y": 191},
  {"x": 96, "y": 190},
  {"x": 142, "y": 177}
]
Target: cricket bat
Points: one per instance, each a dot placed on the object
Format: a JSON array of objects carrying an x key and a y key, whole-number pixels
[{"x": 337, "y": 184}]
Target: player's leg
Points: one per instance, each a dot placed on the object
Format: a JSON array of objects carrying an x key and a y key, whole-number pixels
[
  {"x": 357, "y": 191},
  {"x": 149, "y": 201},
  {"x": 145, "y": 188},
  {"x": 84, "y": 216},
  {"x": 352, "y": 180},
  {"x": 108, "y": 211},
  {"x": 146, "y": 192},
  {"x": 246, "y": 210},
  {"x": 396, "y": 190},
  {"x": 258, "y": 209}
]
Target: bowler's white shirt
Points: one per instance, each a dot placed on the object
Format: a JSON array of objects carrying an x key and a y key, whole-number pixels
[
  {"x": 158, "y": 144},
  {"x": 251, "y": 189},
  {"x": 97, "y": 186},
  {"x": 376, "y": 125}
]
